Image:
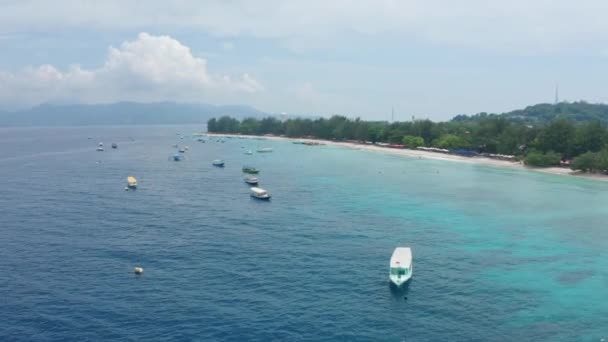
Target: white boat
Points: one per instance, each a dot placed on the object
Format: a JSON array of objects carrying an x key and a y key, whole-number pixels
[
  {"x": 260, "y": 193},
  {"x": 100, "y": 147},
  {"x": 251, "y": 180},
  {"x": 249, "y": 152},
  {"x": 264, "y": 150},
  {"x": 218, "y": 163},
  {"x": 401, "y": 266}
]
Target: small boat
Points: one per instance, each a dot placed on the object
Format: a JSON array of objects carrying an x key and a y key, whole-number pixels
[
  {"x": 176, "y": 157},
  {"x": 114, "y": 146},
  {"x": 100, "y": 147},
  {"x": 250, "y": 169},
  {"x": 259, "y": 193},
  {"x": 249, "y": 152},
  {"x": 131, "y": 182},
  {"x": 401, "y": 267},
  {"x": 182, "y": 150},
  {"x": 264, "y": 150},
  {"x": 251, "y": 180},
  {"x": 218, "y": 163}
]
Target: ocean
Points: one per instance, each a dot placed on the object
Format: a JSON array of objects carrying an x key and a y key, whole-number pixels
[{"x": 499, "y": 254}]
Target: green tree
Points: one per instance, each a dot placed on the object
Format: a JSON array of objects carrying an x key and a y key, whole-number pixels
[
  {"x": 537, "y": 158},
  {"x": 412, "y": 141},
  {"x": 450, "y": 142},
  {"x": 587, "y": 162}
]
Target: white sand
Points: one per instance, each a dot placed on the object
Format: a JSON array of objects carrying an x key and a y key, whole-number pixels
[{"x": 438, "y": 156}]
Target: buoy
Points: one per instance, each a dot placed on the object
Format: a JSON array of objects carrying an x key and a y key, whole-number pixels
[{"x": 138, "y": 270}]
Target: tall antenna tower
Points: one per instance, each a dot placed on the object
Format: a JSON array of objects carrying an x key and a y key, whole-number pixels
[{"x": 556, "y": 93}]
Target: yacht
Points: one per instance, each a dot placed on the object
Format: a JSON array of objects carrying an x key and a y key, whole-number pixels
[
  {"x": 100, "y": 147},
  {"x": 218, "y": 163},
  {"x": 251, "y": 180},
  {"x": 401, "y": 266},
  {"x": 260, "y": 193}
]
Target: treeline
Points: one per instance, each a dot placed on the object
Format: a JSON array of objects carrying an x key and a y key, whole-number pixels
[{"x": 547, "y": 145}]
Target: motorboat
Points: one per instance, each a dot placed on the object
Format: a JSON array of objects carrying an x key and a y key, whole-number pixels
[
  {"x": 250, "y": 169},
  {"x": 259, "y": 193},
  {"x": 264, "y": 150},
  {"x": 114, "y": 146},
  {"x": 218, "y": 163},
  {"x": 100, "y": 147},
  {"x": 251, "y": 180},
  {"x": 249, "y": 152},
  {"x": 401, "y": 266},
  {"x": 182, "y": 150},
  {"x": 176, "y": 157},
  {"x": 131, "y": 183}
]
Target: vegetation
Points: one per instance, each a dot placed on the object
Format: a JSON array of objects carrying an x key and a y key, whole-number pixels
[
  {"x": 537, "y": 145},
  {"x": 544, "y": 113}
]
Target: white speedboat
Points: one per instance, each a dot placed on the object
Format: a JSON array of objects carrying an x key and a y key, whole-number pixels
[
  {"x": 260, "y": 193},
  {"x": 401, "y": 266},
  {"x": 218, "y": 163},
  {"x": 251, "y": 180},
  {"x": 100, "y": 147},
  {"x": 249, "y": 152},
  {"x": 264, "y": 150}
]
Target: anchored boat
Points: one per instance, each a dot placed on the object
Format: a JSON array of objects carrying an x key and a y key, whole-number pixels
[
  {"x": 218, "y": 163},
  {"x": 260, "y": 193},
  {"x": 131, "y": 183},
  {"x": 264, "y": 150},
  {"x": 251, "y": 180},
  {"x": 250, "y": 169},
  {"x": 401, "y": 266}
]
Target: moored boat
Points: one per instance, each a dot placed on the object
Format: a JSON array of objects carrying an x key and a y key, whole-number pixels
[
  {"x": 218, "y": 163},
  {"x": 249, "y": 152},
  {"x": 264, "y": 150},
  {"x": 100, "y": 147},
  {"x": 114, "y": 145},
  {"x": 131, "y": 182},
  {"x": 251, "y": 180},
  {"x": 401, "y": 266},
  {"x": 259, "y": 193},
  {"x": 250, "y": 169}
]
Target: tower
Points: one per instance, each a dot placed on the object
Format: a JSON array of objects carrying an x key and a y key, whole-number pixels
[{"x": 556, "y": 93}]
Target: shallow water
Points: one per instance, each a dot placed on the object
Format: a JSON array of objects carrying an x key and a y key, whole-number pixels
[{"x": 499, "y": 254}]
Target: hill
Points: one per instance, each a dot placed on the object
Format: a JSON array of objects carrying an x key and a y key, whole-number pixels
[
  {"x": 544, "y": 113},
  {"x": 122, "y": 113}
]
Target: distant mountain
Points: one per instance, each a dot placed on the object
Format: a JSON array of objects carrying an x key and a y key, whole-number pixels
[
  {"x": 543, "y": 113},
  {"x": 122, "y": 113}
]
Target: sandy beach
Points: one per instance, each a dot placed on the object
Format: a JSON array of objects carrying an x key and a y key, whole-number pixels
[{"x": 433, "y": 155}]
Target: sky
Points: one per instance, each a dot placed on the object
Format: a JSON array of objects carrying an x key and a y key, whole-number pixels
[{"x": 424, "y": 58}]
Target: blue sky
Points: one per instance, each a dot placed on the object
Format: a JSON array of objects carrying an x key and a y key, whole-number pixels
[{"x": 429, "y": 59}]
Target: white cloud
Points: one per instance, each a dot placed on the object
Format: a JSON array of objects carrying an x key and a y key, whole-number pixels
[
  {"x": 538, "y": 25},
  {"x": 150, "y": 68}
]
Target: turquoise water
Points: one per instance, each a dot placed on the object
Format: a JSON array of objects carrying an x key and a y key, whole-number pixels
[{"x": 499, "y": 254}]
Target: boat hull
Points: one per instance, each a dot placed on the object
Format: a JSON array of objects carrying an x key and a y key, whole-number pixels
[
  {"x": 399, "y": 281},
  {"x": 261, "y": 198}
]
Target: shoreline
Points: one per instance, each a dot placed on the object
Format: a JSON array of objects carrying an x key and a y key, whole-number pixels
[{"x": 432, "y": 155}]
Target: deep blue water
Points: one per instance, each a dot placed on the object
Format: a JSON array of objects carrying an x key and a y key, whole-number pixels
[{"x": 499, "y": 254}]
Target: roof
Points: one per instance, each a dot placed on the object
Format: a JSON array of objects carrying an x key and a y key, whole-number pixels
[
  {"x": 402, "y": 257},
  {"x": 258, "y": 191}
]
